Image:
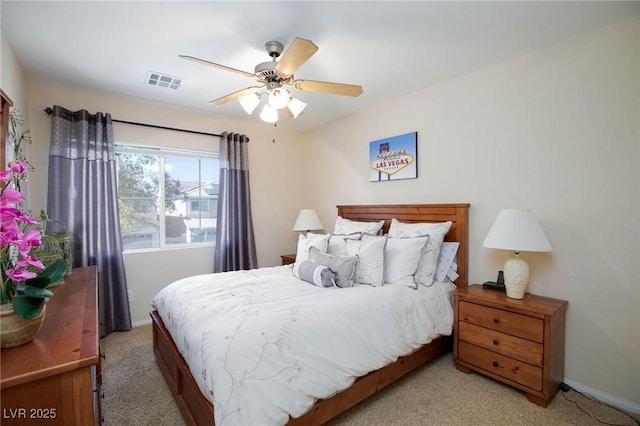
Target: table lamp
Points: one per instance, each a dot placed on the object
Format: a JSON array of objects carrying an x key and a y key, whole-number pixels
[
  {"x": 307, "y": 220},
  {"x": 517, "y": 230}
]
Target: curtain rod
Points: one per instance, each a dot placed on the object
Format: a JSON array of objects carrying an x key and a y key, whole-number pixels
[{"x": 49, "y": 111}]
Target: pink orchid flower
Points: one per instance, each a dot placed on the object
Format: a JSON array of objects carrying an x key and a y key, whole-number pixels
[
  {"x": 25, "y": 242},
  {"x": 16, "y": 242},
  {"x": 21, "y": 245},
  {"x": 11, "y": 196},
  {"x": 20, "y": 274},
  {"x": 11, "y": 230},
  {"x": 30, "y": 261},
  {"x": 8, "y": 214},
  {"x": 33, "y": 238},
  {"x": 23, "y": 217},
  {"x": 17, "y": 167}
]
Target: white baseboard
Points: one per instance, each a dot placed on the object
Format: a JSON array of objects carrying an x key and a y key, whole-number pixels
[
  {"x": 605, "y": 397},
  {"x": 140, "y": 323}
]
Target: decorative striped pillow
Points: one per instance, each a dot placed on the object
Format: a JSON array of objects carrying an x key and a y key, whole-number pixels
[
  {"x": 343, "y": 266},
  {"x": 314, "y": 273}
]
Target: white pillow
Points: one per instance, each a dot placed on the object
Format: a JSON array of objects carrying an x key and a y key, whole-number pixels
[
  {"x": 338, "y": 244},
  {"x": 401, "y": 259},
  {"x": 305, "y": 242},
  {"x": 445, "y": 261},
  {"x": 436, "y": 231},
  {"x": 347, "y": 226},
  {"x": 370, "y": 264}
]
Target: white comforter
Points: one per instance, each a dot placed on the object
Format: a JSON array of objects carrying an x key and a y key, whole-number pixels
[{"x": 263, "y": 345}]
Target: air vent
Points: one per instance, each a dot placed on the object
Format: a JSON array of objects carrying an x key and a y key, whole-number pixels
[{"x": 163, "y": 80}]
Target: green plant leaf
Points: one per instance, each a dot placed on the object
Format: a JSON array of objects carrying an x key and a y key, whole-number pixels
[
  {"x": 38, "y": 281},
  {"x": 51, "y": 274},
  {"x": 33, "y": 291},
  {"x": 27, "y": 307}
]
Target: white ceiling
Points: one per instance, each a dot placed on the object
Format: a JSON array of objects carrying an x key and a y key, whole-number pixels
[{"x": 390, "y": 48}]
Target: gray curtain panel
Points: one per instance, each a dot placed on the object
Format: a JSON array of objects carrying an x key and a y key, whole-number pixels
[
  {"x": 83, "y": 193},
  {"x": 235, "y": 241}
]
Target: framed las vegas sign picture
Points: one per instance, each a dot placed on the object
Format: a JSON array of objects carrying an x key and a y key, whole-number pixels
[{"x": 394, "y": 158}]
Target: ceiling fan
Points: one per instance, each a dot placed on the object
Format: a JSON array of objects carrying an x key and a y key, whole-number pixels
[{"x": 274, "y": 76}]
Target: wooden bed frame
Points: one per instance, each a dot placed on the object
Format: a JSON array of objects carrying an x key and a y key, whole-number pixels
[{"x": 197, "y": 410}]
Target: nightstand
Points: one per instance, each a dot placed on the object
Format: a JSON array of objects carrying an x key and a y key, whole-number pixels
[
  {"x": 519, "y": 342},
  {"x": 288, "y": 259}
]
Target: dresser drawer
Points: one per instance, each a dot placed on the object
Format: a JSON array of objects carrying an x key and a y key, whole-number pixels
[
  {"x": 507, "y": 322},
  {"x": 501, "y": 365},
  {"x": 514, "y": 347}
]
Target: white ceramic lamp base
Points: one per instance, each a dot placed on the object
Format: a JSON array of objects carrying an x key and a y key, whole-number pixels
[{"x": 516, "y": 277}]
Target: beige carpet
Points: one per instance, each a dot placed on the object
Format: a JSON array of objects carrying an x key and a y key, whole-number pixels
[{"x": 135, "y": 393}]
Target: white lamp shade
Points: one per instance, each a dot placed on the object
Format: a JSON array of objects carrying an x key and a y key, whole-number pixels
[
  {"x": 249, "y": 102},
  {"x": 307, "y": 220},
  {"x": 296, "y": 107},
  {"x": 517, "y": 230},
  {"x": 279, "y": 98},
  {"x": 269, "y": 114}
]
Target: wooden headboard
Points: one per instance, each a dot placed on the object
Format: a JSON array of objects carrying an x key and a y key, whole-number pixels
[{"x": 458, "y": 214}]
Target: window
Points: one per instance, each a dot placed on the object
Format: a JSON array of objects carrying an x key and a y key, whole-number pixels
[
  {"x": 167, "y": 197},
  {"x": 199, "y": 205}
]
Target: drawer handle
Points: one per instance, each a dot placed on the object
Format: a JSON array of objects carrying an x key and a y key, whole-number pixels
[
  {"x": 495, "y": 342},
  {"x": 495, "y": 363},
  {"x": 496, "y": 320}
]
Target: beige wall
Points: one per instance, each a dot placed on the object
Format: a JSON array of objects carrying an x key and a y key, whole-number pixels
[{"x": 556, "y": 131}]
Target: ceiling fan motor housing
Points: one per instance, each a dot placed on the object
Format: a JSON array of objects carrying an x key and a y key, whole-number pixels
[
  {"x": 267, "y": 73},
  {"x": 274, "y": 48}
]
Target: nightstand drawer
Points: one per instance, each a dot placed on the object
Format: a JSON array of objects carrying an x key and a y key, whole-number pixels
[
  {"x": 501, "y": 365},
  {"x": 507, "y": 322},
  {"x": 514, "y": 347}
]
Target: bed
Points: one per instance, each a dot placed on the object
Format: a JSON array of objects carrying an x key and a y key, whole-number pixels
[{"x": 199, "y": 410}]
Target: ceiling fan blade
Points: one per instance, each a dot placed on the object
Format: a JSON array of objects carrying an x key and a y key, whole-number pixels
[
  {"x": 298, "y": 52},
  {"x": 235, "y": 95},
  {"x": 213, "y": 64},
  {"x": 330, "y": 88}
]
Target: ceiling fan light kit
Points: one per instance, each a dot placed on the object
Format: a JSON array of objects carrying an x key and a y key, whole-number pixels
[
  {"x": 269, "y": 114},
  {"x": 249, "y": 102},
  {"x": 279, "y": 98},
  {"x": 295, "y": 107},
  {"x": 274, "y": 75}
]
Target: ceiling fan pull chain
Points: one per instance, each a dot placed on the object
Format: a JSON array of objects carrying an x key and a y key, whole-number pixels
[{"x": 274, "y": 132}]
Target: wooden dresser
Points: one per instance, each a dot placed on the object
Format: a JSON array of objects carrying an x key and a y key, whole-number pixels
[
  {"x": 55, "y": 378},
  {"x": 518, "y": 342}
]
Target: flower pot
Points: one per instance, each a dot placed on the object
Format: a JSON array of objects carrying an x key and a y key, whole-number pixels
[{"x": 15, "y": 330}]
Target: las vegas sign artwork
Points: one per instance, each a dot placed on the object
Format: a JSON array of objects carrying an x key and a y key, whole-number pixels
[{"x": 393, "y": 158}]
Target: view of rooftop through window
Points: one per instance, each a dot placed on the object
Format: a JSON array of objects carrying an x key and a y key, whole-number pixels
[{"x": 167, "y": 198}]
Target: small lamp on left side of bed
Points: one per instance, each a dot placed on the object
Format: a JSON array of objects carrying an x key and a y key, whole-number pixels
[{"x": 307, "y": 220}]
